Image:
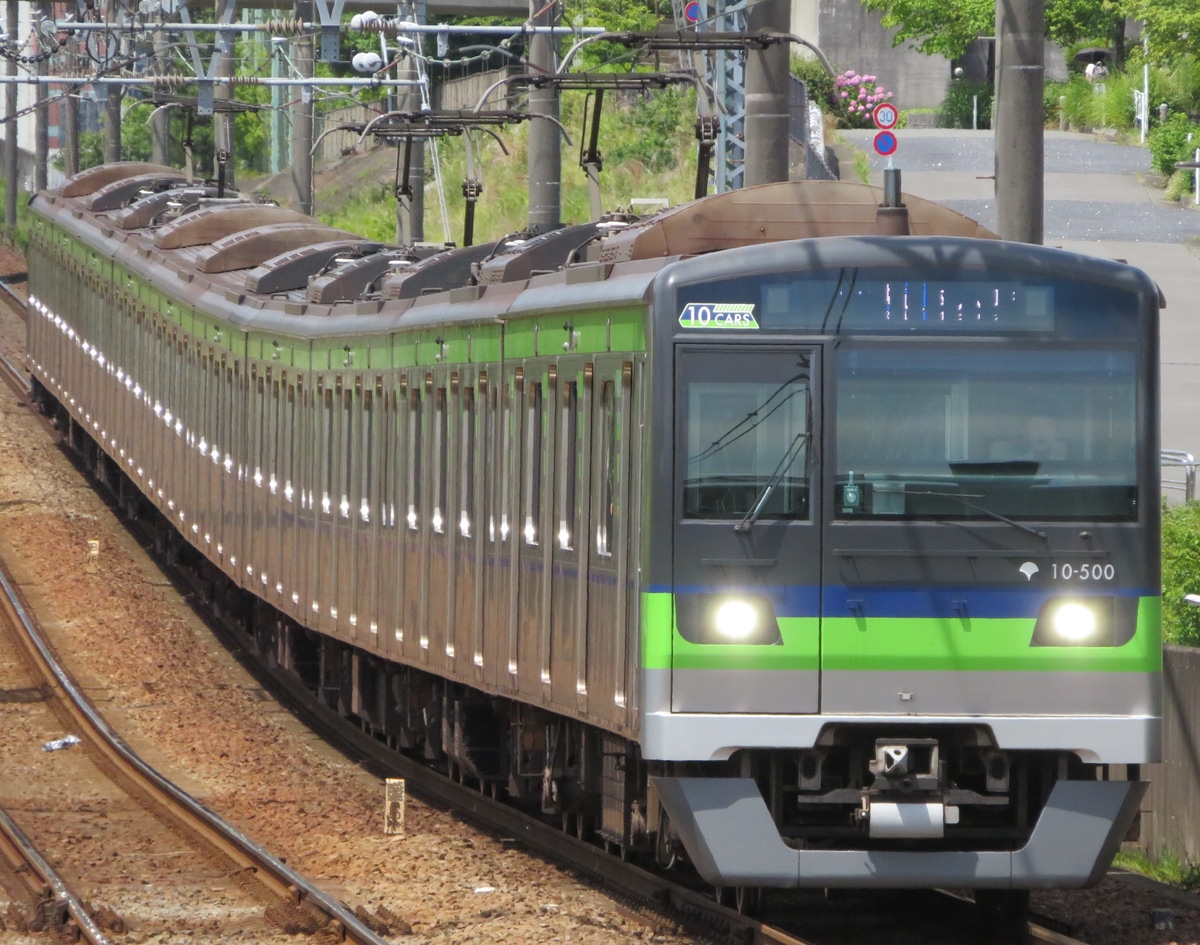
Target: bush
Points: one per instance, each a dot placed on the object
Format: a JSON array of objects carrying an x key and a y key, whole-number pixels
[
  {"x": 1181, "y": 573},
  {"x": 1169, "y": 143},
  {"x": 819, "y": 82},
  {"x": 958, "y": 108},
  {"x": 1179, "y": 185},
  {"x": 1051, "y": 92},
  {"x": 856, "y": 97}
]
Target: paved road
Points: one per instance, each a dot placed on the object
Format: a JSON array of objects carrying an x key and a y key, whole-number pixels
[{"x": 1096, "y": 204}]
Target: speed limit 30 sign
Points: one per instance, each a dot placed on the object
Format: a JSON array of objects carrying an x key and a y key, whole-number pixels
[{"x": 885, "y": 115}]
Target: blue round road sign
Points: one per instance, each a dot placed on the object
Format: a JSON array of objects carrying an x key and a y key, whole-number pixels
[
  {"x": 692, "y": 12},
  {"x": 885, "y": 143}
]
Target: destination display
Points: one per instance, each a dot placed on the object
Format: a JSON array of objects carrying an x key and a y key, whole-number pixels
[{"x": 874, "y": 301}]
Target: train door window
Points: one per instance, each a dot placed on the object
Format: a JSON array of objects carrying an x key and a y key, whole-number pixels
[
  {"x": 532, "y": 466},
  {"x": 606, "y": 469},
  {"x": 414, "y": 456},
  {"x": 440, "y": 460},
  {"x": 366, "y": 486},
  {"x": 747, "y": 429},
  {"x": 347, "y": 438},
  {"x": 288, "y": 470},
  {"x": 327, "y": 452},
  {"x": 466, "y": 462},
  {"x": 568, "y": 466},
  {"x": 507, "y": 456}
]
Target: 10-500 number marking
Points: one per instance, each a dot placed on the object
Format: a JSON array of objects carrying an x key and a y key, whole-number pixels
[{"x": 1084, "y": 572}]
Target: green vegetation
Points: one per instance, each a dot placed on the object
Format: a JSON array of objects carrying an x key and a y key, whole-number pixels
[
  {"x": 19, "y": 236},
  {"x": 949, "y": 26},
  {"x": 1174, "y": 140},
  {"x": 649, "y": 151},
  {"x": 1167, "y": 868},
  {"x": 1181, "y": 573},
  {"x": 959, "y": 106}
]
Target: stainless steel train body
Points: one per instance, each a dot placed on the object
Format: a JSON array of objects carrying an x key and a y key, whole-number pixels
[{"x": 714, "y": 534}]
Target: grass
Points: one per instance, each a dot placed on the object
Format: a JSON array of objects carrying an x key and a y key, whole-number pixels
[{"x": 1167, "y": 869}]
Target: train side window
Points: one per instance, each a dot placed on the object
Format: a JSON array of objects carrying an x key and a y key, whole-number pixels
[
  {"x": 532, "y": 467},
  {"x": 466, "y": 461},
  {"x": 414, "y": 454},
  {"x": 606, "y": 469},
  {"x": 568, "y": 466}
]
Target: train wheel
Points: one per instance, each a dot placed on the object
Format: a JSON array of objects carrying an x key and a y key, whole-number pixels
[{"x": 664, "y": 850}]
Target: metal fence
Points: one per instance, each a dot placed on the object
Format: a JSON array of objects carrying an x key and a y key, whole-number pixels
[{"x": 1178, "y": 475}]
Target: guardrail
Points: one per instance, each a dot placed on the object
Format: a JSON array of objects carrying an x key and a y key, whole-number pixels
[{"x": 1178, "y": 459}]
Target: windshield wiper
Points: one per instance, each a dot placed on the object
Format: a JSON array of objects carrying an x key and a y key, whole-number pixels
[
  {"x": 785, "y": 462},
  {"x": 1029, "y": 530}
]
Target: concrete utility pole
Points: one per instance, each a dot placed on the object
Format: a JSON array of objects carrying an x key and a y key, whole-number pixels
[
  {"x": 160, "y": 124},
  {"x": 545, "y": 148},
  {"x": 304, "y": 52},
  {"x": 223, "y": 138},
  {"x": 71, "y": 133},
  {"x": 12, "y": 182},
  {"x": 111, "y": 126},
  {"x": 767, "y": 100},
  {"x": 1019, "y": 114},
  {"x": 41, "y": 128},
  {"x": 410, "y": 207}
]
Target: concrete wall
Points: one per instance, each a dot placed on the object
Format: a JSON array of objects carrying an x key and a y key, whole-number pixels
[{"x": 853, "y": 38}]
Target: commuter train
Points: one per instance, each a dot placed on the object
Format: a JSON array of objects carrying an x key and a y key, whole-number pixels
[{"x": 738, "y": 535}]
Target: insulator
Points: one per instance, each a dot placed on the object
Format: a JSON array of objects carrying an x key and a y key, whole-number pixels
[{"x": 285, "y": 26}]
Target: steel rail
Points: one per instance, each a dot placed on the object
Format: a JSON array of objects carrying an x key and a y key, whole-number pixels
[
  {"x": 32, "y": 869},
  {"x": 280, "y": 880}
]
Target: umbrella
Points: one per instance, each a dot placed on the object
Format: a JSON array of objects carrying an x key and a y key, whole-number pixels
[{"x": 1093, "y": 54}]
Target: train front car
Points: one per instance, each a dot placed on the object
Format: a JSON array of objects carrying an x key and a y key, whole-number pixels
[{"x": 901, "y": 625}]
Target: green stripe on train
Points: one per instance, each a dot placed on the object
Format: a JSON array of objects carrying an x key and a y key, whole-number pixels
[
  {"x": 945, "y": 644},
  {"x": 800, "y": 649}
]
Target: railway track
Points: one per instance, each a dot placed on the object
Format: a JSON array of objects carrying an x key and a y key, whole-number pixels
[
  {"x": 288, "y": 901},
  {"x": 48, "y": 901},
  {"x": 11, "y": 372}
]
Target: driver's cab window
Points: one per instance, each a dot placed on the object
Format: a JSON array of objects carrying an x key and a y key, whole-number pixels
[{"x": 747, "y": 437}]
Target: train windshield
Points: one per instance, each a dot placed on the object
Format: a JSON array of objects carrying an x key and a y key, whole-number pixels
[
  {"x": 747, "y": 421},
  {"x": 952, "y": 432}
]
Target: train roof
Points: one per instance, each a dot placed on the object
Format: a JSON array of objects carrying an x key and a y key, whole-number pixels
[{"x": 264, "y": 266}]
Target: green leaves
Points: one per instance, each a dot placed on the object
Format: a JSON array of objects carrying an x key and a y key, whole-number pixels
[
  {"x": 948, "y": 26},
  {"x": 1173, "y": 26}
]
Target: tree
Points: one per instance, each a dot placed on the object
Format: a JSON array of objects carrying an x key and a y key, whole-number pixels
[
  {"x": 949, "y": 26},
  {"x": 1173, "y": 26}
]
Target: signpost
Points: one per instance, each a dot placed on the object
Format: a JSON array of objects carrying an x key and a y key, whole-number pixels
[{"x": 885, "y": 115}]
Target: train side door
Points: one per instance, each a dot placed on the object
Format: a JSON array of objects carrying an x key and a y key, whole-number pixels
[{"x": 746, "y": 557}]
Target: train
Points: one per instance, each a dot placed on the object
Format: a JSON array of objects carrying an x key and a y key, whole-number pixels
[{"x": 804, "y": 540}]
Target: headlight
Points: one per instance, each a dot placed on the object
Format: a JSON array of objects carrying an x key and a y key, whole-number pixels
[
  {"x": 726, "y": 618},
  {"x": 735, "y": 619},
  {"x": 1086, "y": 621}
]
